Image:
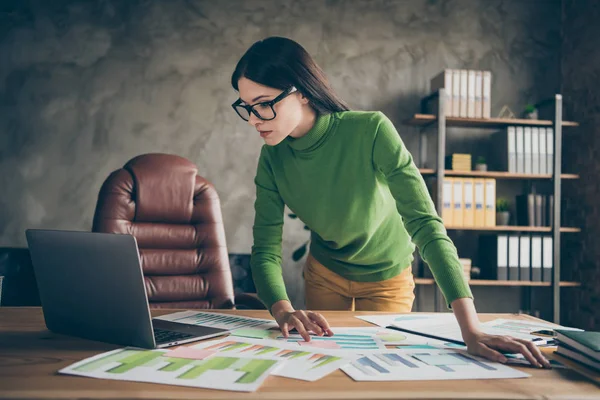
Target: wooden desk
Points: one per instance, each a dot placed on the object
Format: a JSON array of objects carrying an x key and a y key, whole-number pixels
[{"x": 30, "y": 356}]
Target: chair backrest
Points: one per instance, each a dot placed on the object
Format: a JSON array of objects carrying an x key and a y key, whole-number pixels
[{"x": 175, "y": 216}]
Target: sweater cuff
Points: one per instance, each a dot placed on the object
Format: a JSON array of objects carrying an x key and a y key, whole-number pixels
[{"x": 449, "y": 276}]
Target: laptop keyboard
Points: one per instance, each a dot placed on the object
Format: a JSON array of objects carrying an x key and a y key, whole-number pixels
[{"x": 164, "y": 336}]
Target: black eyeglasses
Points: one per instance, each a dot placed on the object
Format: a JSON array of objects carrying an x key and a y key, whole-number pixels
[{"x": 264, "y": 110}]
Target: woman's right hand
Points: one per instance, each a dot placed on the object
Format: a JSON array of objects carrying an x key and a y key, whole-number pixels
[{"x": 304, "y": 321}]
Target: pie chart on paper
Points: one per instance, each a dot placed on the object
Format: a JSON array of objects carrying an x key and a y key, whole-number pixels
[{"x": 389, "y": 337}]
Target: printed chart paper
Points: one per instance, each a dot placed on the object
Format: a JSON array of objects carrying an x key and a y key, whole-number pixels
[
  {"x": 448, "y": 328},
  {"x": 387, "y": 320},
  {"x": 513, "y": 359},
  {"x": 519, "y": 328},
  {"x": 426, "y": 364},
  {"x": 236, "y": 373},
  {"x": 300, "y": 363},
  {"x": 252, "y": 333},
  {"x": 360, "y": 339},
  {"x": 216, "y": 320},
  {"x": 389, "y": 337},
  {"x": 343, "y": 339}
]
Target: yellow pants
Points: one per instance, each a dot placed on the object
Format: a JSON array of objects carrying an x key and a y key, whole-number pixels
[{"x": 326, "y": 290}]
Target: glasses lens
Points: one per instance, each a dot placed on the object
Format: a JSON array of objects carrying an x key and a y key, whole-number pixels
[
  {"x": 242, "y": 112},
  {"x": 264, "y": 111}
]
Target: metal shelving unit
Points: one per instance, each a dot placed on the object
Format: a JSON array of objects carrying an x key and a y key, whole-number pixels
[{"x": 441, "y": 122}]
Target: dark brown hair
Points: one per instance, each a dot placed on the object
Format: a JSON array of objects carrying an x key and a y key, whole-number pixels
[{"x": 280, "y": 63}]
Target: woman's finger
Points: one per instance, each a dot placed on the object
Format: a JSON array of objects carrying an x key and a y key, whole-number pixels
[
  {"x": 536, "y": 352},
  {"x": 321, "y": 321},
  {"x": 516, "y": 347},
  {"x": 300, "y": 328},
  {"x": 284, "y": 329},
  {"x": 309, "y": 324},
  {"x": 490, "y": 353}
]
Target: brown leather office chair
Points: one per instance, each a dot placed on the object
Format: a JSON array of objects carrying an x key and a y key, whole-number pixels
[{"x": 175, "y": 216}]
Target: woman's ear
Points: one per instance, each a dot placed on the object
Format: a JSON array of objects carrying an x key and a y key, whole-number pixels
[{"x": 303, "y": 99}]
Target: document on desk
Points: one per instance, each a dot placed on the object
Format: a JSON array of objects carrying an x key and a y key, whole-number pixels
[
  {"x": 356, "y": 339},
  {"x": 308, "y": 364},
  {"x": 522, "y": 329},
  {"x": 447, "y": 328},
  {"x": 237, "y": 373},
  {"x": 217, "y": 320},
  {"x": 426, "y": 364},
  {"x": 387, "y": 337},
  {"x": 351, "y": 339},
  {"x": 389, "y": 319}
]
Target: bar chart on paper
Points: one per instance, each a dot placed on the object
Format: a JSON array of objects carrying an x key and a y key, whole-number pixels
[
  {"x": 216, "y": 320},
  {"x": 305, "y": 364},
  {"x": 155, "y": 366},
  {"x": 343, "y": 339},
  {"x": 425, "y": 364},
  {"x": 388, "y": 337}
]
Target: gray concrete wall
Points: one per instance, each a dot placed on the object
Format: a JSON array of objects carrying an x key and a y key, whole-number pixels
[{"x": 86, "y": 85}]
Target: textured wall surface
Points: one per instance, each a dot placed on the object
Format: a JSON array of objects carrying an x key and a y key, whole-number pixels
[
  {"x": 581, "y": 88},
  {"x": 86, "y": 85}
]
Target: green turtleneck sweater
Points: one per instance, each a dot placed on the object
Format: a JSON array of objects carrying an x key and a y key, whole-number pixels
[{"x": 352, "y": 181}]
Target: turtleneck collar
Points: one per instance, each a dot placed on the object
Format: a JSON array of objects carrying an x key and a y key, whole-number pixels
[{"x": 314, "y": 137}]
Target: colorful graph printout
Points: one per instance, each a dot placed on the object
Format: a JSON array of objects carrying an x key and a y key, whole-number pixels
[
  {"x": 216, "y": 320},
  {"x": 426, "y": 364},
  {"x": 301, "y": 363},
  {"x": 237, "y": 372}
]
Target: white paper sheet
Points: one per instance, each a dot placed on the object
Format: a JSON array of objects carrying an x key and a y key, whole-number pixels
[
  {"x": 217, "y": 320},
  {"x": 426, "y": 364},
  {"x": 354, "y": 339},
  {"x": 521, "y": 329},
  {"x": 307, "y": 364},
  {"x": 388, "y": 337},
  {"x": 389, "y": 319},
  {"x": 237, "y": 373},
  {"x": 449, "y": 328}
]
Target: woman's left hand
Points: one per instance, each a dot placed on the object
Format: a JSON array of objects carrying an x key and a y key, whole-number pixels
[{"x": 488, "y": 346}]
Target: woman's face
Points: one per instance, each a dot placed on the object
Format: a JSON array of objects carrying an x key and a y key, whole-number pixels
[{"x": 289, "y": 111}]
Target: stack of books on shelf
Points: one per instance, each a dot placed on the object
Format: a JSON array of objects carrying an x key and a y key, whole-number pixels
[
  {"x": 523, "y": 150},
  {"x": 535, "y": 209},
  {"x": 516, "y": 257},
  {"x": 580, "y": 346},
  {"x": 469, "y": 202},
  {"x": 458, "y": 162},
  {"x": 468, "y": 92}
]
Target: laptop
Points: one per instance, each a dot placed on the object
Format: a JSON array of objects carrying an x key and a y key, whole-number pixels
[{"x": 91, "y": 286}]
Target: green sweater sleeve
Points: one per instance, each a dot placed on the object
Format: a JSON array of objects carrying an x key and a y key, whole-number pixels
[
  {"x": 265, "y": 259},
  {"x": 416, "y": 207}
]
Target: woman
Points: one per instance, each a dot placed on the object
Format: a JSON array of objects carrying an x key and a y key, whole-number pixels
[{"x": 348, "y": 176}]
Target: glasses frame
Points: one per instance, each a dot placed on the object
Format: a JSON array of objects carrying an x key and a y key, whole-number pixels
[{"x": 270, "y": 103}]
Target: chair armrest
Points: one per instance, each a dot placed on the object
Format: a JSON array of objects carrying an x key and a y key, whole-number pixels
[{"x": 248, "y": 301}]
